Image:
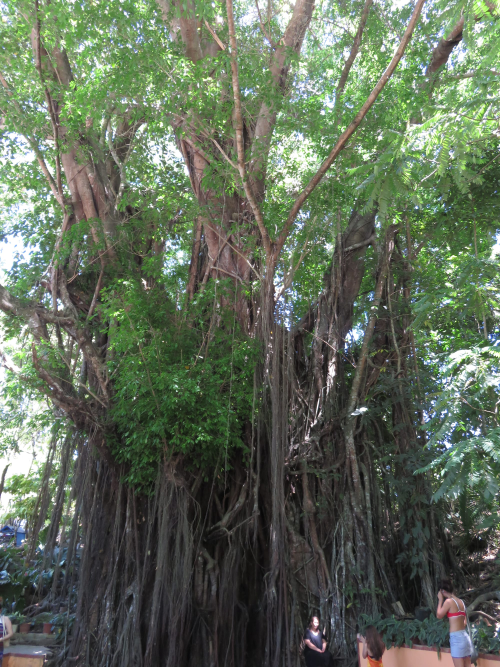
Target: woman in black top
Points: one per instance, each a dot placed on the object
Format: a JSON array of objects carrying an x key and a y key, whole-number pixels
[{"x": 315, "y": 653}]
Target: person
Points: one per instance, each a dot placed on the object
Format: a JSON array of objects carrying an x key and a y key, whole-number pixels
[
  {"x": 451, "y": 606},
  {"x": 373, "y": 646},
  {"x": 315, "y": 651},
  {"x": 5, "y": 630}
]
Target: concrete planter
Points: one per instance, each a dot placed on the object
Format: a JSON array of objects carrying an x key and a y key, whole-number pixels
[
  {"x": 423, "y": 655},
  {"x": 25, "y": 656}
]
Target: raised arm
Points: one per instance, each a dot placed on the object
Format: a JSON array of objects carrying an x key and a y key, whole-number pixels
[{"x": 363, "y": 640}]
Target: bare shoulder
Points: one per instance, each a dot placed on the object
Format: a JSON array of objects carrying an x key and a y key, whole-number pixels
[
  {"x": 444, "y": 609},
  {"x": 449, "y": 604}
]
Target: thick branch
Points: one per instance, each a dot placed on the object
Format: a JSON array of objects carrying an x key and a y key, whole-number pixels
[
  {"x": 238, "y": 128},
  {"x": 11, "y": 305},
  {"x": 36, "y": 317},
  {"x": 57, "y": 392},
  {"x": 221, "y": 526},
  {"x": 443, "y": 50},
  {"x": 346, "y": 135},
  {"x": 291, "y": 41},
  {"x": 187, "y": 25},
  {"x": 491, "y": 595}
]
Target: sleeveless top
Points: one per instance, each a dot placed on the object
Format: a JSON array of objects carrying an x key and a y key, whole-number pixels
[
  {"x": 374, "y": 663},
  {"x": 459, "y": 612}
]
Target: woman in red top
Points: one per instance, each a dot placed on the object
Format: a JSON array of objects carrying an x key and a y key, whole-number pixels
[
  {"x": 373, "y": 646},
  {"x": 454, "y": 608}
]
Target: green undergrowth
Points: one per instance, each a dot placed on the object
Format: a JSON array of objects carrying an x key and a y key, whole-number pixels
[{"x": 430, "y": 632}]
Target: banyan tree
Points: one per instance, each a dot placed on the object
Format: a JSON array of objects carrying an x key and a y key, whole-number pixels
[{"x": 225, "y": 206}]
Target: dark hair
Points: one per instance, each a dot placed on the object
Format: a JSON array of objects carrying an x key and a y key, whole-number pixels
[
  {"x": 446, "y": 585},
  {"x": 374, "y": 643}
]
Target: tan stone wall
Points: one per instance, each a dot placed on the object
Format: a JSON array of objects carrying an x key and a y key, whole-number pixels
[
  {"x": 418, "y": 656},
  {"x": 16, "y": 660}
]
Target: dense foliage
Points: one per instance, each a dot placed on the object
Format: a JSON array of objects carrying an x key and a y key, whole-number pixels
[{"x": 254, "y": 315}]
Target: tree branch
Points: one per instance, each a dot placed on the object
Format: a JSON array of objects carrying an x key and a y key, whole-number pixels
[
  {"x": 96, "y": 294},
  {"x": 37, "y": 317},
  {"x": 288, "y": 278},
  {"x": 224, "y": 154},
  {"x": 48, "y": 98},
  {"x": 226, "y": 241},
  {"x": 491, "y": 595},
  {"x": 8, "y": 363},
  {"x": 346, "y": 135},
  {"x": 238, "y": 128},
  {"x": 34, "y": 147},
  {"x": 443, "y": 50},
  {"x": 83, "y": 339},
  {"x": 215, "y": 35},
  {"x": 11, "y": 305},
  {"x": 263, "y": 27},
  {"x": 354, "y": 50},
  {"x": 486, "y": 616},
  {"x": 187, "y": 25},
  {"x": 292, "y": 40}
]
